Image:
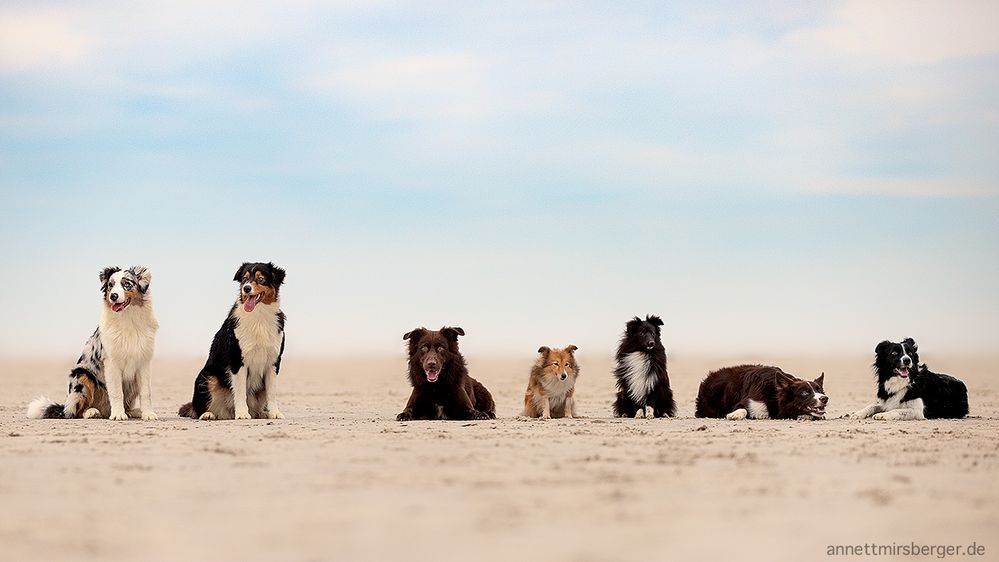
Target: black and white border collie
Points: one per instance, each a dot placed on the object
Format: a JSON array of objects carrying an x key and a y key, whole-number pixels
[
  {"x": 910, "y": 391},
  {"x": 642, "y": 381},
  {"x": 239, "y": 380},
  {"x": 760, "y": 392},
  {"x": 111, "y": 378}
]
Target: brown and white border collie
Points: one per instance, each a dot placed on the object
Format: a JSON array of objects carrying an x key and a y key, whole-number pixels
[
  {"x": 552, "y": 384},
  {"x": 442, "y": 389},
  {"x": 760, "y": 392}
]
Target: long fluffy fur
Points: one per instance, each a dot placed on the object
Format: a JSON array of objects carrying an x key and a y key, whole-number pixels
[{"x": 642, "y": 380}]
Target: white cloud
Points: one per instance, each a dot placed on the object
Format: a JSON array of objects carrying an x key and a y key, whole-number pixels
[
  {"x": 41, "y": 39},
  {"x": 907, "y": 32}
]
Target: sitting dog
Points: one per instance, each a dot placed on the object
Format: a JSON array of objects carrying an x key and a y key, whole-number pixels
[
  {"x": 910, "y": 391},
  {"x": 552, "y": 383},
  {"x": 641, "y": 375},
  {"x": 442, "y": 389},
  {"x": 760, "y": 392},
  {"x": 239, "y": 380},
  {"x": 111, "y": 378}
]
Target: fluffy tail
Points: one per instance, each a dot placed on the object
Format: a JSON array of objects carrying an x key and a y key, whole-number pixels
[
  {"x": 42, "y": 407},
  {"x": 186, "y": 411}
]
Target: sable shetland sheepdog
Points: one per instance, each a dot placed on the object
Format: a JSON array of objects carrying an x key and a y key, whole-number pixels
[
  {"x": 111, "y": 378},
  {"x": 760, "y": 392},
  {"x": 641, "y": 375},
  {"x": 552, "y": 384},
  {"x": 442, "y": 389},
  {"x": 239, "y": 380},
  {"x": 910, "y": 391}
]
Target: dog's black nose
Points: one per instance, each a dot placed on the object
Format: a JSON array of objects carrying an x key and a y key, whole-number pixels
[
  {"x": 563, "y": 376},
  {"x": 114, "y": 297},
  {"x": 824, "y": 400},
  {"x": 247, "y": 289}
]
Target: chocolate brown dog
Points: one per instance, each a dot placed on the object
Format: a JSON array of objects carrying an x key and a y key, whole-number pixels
[{"x": 442, "y": 389}]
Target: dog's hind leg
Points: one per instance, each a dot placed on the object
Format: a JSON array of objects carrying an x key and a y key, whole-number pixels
[{"x": 623, "y": 407}]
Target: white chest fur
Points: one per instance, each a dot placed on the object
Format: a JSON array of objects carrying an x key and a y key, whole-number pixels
[
  {"x": 128, "y": 336},
  {"x": 638, "y": 375},
  {"x": 259, "y": 337}
]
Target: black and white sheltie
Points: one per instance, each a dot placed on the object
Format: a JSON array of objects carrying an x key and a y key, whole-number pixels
[
  {"x": 239, "y": 380},
  {"x": 910, "y": 391},
  {"x": 641, "y": 375},
  {"x": 111, "y": 378}
]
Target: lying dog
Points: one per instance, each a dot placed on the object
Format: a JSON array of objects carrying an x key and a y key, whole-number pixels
[
  {"x": 111, "y": 378},
  {"x": 760, "y": 392},
  {"x": 442, "y": 389},
  {"x": 642, "y": 380},
  {"x": 910, "y": 391},
  {"x": 552, "y": 383},
  {"x": 239, "y": 380}
]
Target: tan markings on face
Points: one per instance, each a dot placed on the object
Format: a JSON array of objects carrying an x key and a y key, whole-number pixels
[{"x": 559, "y": 360}]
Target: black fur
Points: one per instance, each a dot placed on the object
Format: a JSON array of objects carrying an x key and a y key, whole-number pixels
[
  {"x": 644, "y": 337},
  {"x": 943, "y": 395}
]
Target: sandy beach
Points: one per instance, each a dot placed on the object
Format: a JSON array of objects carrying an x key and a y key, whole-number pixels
[{"x": 339, "y": 479}]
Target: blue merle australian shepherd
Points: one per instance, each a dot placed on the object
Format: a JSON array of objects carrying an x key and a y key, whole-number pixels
[
  {"x": 239, "y": 380},
  {"x": 642, "y": 382},
  {"x": 111, "y": 378}
]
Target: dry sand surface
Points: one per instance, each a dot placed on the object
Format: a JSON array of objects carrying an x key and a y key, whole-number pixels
[{"x": 339, "y": 479}]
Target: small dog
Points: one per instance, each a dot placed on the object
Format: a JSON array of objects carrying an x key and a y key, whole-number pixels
[
  {"x": 552, "y": 383},
  {"x": 760, "y": 392},
  {"x": 111, "y": 378},
  {"x": 641, "y": 375},
  {"x": 442, "y": 389},
  {"x": 910, "y": 391},
  {"x": 239, "y": 380}
]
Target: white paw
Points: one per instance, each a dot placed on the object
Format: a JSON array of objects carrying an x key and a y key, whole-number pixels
[
  {"x": 275, "y": 414},
  {"x": 885, "y": 416},
  {"x": 545, "y": 416},
  {"x": 739, "y": 414},
  {"x": 91, "y": 413},
  {"x": 119, "y": 416},
  {"x": 243, "y": 415},
  {"x": 207, "y": 416},
  {"x": 149, "y": 416}
]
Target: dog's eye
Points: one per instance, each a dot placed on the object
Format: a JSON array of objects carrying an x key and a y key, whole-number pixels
[
  {"x": 555, "y": 364},
  {"x": 425, "y": 348},
  {"x": 440, "y": 348}
]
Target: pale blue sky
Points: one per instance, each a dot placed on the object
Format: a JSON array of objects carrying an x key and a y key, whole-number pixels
[{"x": 766, "y": 177}]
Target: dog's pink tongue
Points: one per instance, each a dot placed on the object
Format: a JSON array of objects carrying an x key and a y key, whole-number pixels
[
  {"x": 250, "y": 303},
  {"x": 432, "y": 375},
  {"x": 118, "y": 306}
]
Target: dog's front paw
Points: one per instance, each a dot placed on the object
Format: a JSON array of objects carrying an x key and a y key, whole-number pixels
[
  {"x": 739, "y": 414},
  {"x": 405, "y": 416},
  {"x": 119, "y": 416},
  {"x": 243, "y": 415},
  {"x": 207, "y": 416},
  {"x": 885, "y": 416},
  {"x": 546, "y": 416},
  {"x": 149, "y": 416},
  {"x": 477, "y": 415},
  {"x": 275, "y": 414},
  {"x": 91, "y": 413}
]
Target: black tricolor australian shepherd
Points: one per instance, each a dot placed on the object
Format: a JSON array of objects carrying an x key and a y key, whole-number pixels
[
  {"x": 642, "y": 381},
  {"x": 239, "y": 380},
  {"x": 442, "y": 389},
  {"x": 760, "y": 392},
  {"x": 910, "y": 391}
]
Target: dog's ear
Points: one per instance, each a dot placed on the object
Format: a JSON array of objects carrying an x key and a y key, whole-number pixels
[
  {"x": 654, "y": 320},
  {"x": 632, "y": 324},
  {"x": 782, "y": 382},
  {"x": 239, "y": 272},
  {"x": 882, "y": 347},
  {"x": 571, "y": 349},
  {"x": 142, "y": 276},
  {"x": 452, "y": 333},
  {"x": 911, "y": 343},
  {"x": 544, "y": 349},
  {"x": 277, "y": 275},
  {"x": 106, "y": 274},
  {"x": 820, "y": 380},
  {"x": 414, "y": 335}
]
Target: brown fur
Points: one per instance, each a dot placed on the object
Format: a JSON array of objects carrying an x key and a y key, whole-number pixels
[
  {"x": 785, "y": 396},
  {"x": 549, "y": 396}
]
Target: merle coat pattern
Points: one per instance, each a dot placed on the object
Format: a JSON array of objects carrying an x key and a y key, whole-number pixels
[
  {"x": 910, "y": 390},
  {"x": 442, "y": 389},
  {"x": 642, "y": 380}
]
